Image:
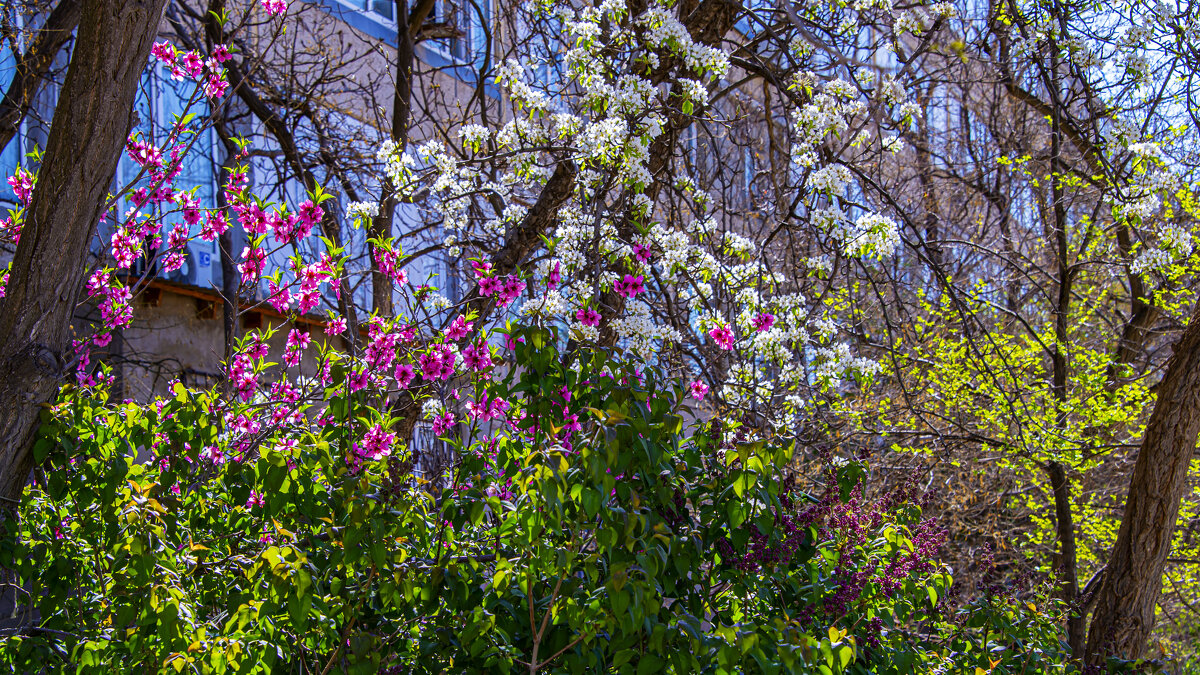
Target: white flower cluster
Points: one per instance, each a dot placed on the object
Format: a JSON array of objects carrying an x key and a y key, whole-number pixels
[
  {"x": 874, "y": 236},
  {"x": 1174, "y": 244},
  {"x": 397, "y": 164},
  {"x": 431, "y": 408},
  {"x": 1144, "y": 208},
  {"x": 893, "y": 144},
  {"x": 831, "y": 180},
  {"x": 836, "y": 363},
  {"x": 694, "y": 91},
  {"x": 665, "y": 31},
  {"x": 1146, "y": 150},
  {"x": 474, "y": 135},
  {"x": 362, "y": 209},
  {"x": 511, "y": 76},
  {"x": 637, "y": 327},
  {"x": 548, "y": 306}
]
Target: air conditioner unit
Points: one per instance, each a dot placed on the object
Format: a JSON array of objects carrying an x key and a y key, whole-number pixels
[{"x": 197, "y": 269}]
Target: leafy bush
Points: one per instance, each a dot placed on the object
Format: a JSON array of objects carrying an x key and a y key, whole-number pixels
[{"x": 586, "y": 526}]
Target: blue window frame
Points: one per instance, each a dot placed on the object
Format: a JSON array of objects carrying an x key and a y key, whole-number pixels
[
  {"x": 381, "y": 9},
  {"x": 10, "y": 155}
]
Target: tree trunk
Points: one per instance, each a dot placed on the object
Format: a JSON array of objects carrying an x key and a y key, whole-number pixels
[
  {"x": 91, "y": 122},
  {"x": 1128, "y": 595},
  {"x": 381, "y": 225}
]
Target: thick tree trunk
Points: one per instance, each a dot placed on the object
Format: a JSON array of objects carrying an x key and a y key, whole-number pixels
[
  {"x": 1127, "y": 597},
  {"x": 91, "y": 122}
]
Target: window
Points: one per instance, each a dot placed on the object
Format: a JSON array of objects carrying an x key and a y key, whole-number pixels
[
  {"x": 10, "y": 155},
  {"x": 159, "y": 101},
  {"x": 470, "y": 19},
  {"x": 384, "y": 9}
]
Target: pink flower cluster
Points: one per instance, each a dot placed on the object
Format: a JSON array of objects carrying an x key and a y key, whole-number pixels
[
  {"x": 22, "y": 183},
  {"x": 242, "y": 376},
  {"x": 438, "y": 363},
  {"x": 381, "y": 350},
  {"x": 442, "y": 423},
  {"x": 477, "y": 357},
  {"x": 484, "y": 409},
  {"x": 376, "y": 444},
  {"x": 723, "y": 336},
  {"x": 458, "y": 329},
  {"x": 630, "y": 286},
  {"x": 114, "y": 299},
  {"x": 588, "y": 317},
  {"x": 763, "y": 322},
  {"x": 297, "y": 341},
  {"x": 506, "y": 290},
  {"x": 193, "y": 66},
  {"x": 387, "y": 260}
]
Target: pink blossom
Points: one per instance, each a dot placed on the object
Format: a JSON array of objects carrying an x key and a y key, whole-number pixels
[
  {"x": 254, "y": 500},
  {"x": 513, "y": 286},
  {"x": 764, "y": 321},
  {"x": 489, "y": 286},
  {"x": 554, "y": 278},
  {"x": 242, "y": 376},
  {"x": 253, "y": 220},
  {"x": 22, "y": 183},
  {"x": 254, "y": 258},
  {"x": 164, "y": 52},
  {"x": 336, "y": 327},
  {"x": 630, "y": 286},
  {"x": 723, "y": 336},
  {"x": 308, "y": 217},
  {"x": 484, "y": 410},
  {"x": 220, "y": 53},
  {"x": 215, "y": 85},
  {"x": 274, "y": 7},
  {"x": 297, "y": 341},
  {"x": 404, "y": 374},
  {"x": 279, "y": 298},
  {"x": 143, "y": 154},
  {"x": 442, "y": 423},
  {"x": 588, "y": 317},
  {"x": 438, "y": 363},
  {"x": 377, "y": 443},
  {"x": 213, "y": 454},
  {"x": 358, "y": 379},
  {"x": 459, "y": 329},
  {"x": 642, "y": 253},
  {"x": 381, "y": 351},
  {"x": 192, "y": 64},
  {"x": 214, "y": 226},
  {"x": 698, "y": 390},
  {"x": 482, "y": 269},
  {"x": 258, "y": 347},
  {"x": 477, "y": 357}
]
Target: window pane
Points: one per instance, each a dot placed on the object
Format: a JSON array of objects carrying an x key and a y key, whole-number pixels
[
  {"x": 11, "y": 154},
  {"x": 382, "y": 8},
  {"x": 198, "y": 163}
]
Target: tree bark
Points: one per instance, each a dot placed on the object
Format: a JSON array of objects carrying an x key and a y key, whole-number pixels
[
  {"x": 34, "y": 65},
  {"x": 91, "y": 122},
  {"x": 1127, "y": 597}
]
